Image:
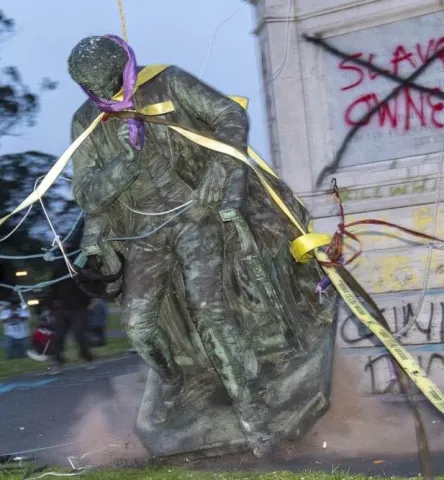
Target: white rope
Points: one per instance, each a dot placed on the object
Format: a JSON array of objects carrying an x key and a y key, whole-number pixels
[
  {"x": 154, "y": 214},
  {"x": 59, "y": 243},
  {"x": 26, "y": 214},
  {"x": 18, "y": 225},
  {"x": 425, "y": 283},
  {"x": 87, "y": 455},
  {"x": 57, "y": 239},
  {"x": 216, "y": 31},
  {"x": 279, "y": 70},
  {"x": 77, "y": 471},
  {"x": 56, "y": 474}
]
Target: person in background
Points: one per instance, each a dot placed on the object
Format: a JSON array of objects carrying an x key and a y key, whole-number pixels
[
  {"x": 69, "y": 307},
  {"x": 98, "y": 313},
  {"x": 42, "y": 338},
  {"x": 15, "y": 321}
]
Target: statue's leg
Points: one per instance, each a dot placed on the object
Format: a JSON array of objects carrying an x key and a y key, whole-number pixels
[
  {"x": 146, "y": 279},
  {"x": 199, "y": 248}
]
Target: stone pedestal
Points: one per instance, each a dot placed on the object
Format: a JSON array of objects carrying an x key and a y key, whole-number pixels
[
  {"x": 391, "y": 169},
  {"x": 296, "y": 390}
]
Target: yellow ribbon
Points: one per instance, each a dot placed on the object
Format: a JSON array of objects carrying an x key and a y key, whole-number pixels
[
  {"x": 157, "y": 108},
  {"x": 302, "y": 248},
  {"x": 405, "y": 360},
  {"x": 144, "y": 76},
  {"x": 54, "y": 172}
]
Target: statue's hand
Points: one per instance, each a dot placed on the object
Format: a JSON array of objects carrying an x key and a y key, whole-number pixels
[
  {"x": 211, "y": 188},
  {"x": 232, "y": 205},
  {"x": 96, "y": 228},
  {"x": 124, "y": 137}
]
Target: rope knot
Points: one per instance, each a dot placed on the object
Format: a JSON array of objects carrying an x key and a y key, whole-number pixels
[
  {"x": 56, "y": 241},
  {"x": 336, "y": 248},
  {"x": 49, "y": 256},
  {"x": 18, "y": 290}
]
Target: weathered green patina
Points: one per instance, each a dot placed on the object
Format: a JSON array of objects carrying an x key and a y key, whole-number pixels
[{"x": 213, "y": 298}]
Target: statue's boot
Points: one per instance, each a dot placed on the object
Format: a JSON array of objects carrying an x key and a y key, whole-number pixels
[
  {"x": 141, "y": 324},
  {"x": 252, "y": 416},
  {"x": 237, "y": 367},
  {"x": 168, "y": 393}
]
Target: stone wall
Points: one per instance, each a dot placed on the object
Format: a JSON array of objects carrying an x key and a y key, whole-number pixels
[{"x": 390, "y": 170}]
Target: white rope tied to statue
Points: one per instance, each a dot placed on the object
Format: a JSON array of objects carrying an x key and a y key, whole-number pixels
[
  {"x": 155, "y": 214},
  {"x": 76, "y": 471}
]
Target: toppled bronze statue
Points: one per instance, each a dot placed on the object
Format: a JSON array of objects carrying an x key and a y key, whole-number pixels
[{"x": 211, "y": 297}]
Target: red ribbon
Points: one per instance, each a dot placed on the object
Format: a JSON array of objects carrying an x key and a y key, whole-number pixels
[{"x": 336, "y": 247}]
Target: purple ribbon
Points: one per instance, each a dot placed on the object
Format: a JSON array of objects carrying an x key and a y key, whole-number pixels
[
  {"x": 136, "y": 127},
  {"x": 322, "y": 286}
]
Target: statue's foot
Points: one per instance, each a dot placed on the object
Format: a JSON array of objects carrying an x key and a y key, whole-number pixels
[
  {"x": 167, "y": 398},
  {"x": 261, "y": 444},
  {"x": 252, "y": 419},
  {"x": 260, "y": 440}
]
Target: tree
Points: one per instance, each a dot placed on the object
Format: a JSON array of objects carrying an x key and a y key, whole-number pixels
[
  {"x": 19, "y": 108},
  {"x": 19, "y": 173},
  {"x": 18, "y": 105}
]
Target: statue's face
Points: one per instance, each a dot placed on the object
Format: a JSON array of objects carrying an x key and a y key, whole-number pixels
[
  {"x": 103, "y": 84},
  {"x": 97, "y": 63}
]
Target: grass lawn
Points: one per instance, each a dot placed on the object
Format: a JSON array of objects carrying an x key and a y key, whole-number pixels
[
  {"x": 115, "y": 346},
  {"x": 8, "y": 368},
  {"x": 113, "y": 322},
  {"x": 183, "y": 474}
]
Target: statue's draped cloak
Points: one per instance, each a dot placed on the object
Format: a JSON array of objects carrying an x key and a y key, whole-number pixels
[
  {"x": 170, "y": 171},
  {"x": 172, "y": 166}
]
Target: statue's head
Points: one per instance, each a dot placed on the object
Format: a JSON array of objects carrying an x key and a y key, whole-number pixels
[{"x": 97, "y": 64}]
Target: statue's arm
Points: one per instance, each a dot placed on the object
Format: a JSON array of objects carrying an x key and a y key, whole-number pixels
[
  {"x": 227, "y": 120},
  {"x": 95, "y": 184},
  {"x": 224, "y": 116}
]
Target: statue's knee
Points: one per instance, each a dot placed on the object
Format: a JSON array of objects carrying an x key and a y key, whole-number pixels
[
  {"x": 208, "y": 315},
  {"x": 140, "y": 324},
  {"x": 95, "y": 228},
  {"x": 204, "y": 296}
]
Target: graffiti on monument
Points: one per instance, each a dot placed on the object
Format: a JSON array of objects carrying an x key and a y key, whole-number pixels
[
  {"x": 392, "y": 261},
  {"x": 389, "y": 191},
  {"x": 382, "y": 375},
  {"x": 405, "y": 119},
  {"x": 410, "y": 108},
  {"x": 421, "y": 333},
  {"x": 427, "y": 327}
]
